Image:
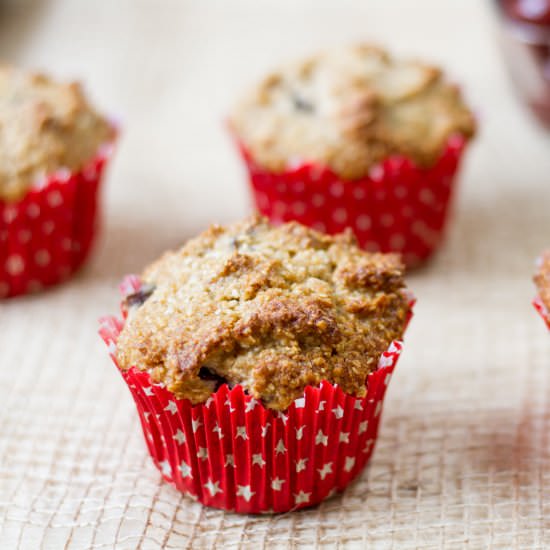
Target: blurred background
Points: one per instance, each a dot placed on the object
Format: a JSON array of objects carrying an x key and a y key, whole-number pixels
[{"x": 463, "y": 453}]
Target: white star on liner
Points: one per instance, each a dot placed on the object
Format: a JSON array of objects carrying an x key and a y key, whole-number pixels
[
  {"x": 368, "y": 446},
  {"x": 213, "y": 487},
  {"x": 299, "y": 432},
  {"x": 218, "y": 430},
  {"x": 350, "y": 463},
  {"x": 321, "y": 406},
  {"x": 385, "y": 361},
  {"x": 300, "y": 403},
  {"x": 280, "y": 448},
  {"x": 283, "y": 417},
  {"x": 171, "y": 407},
  {"x": 325, "y": 470},
  {"x": 245, "y": 492},
  {"x": 338, "y": 412},
  {"x": 195, "y": 424},
  {"x": 378, "y": 408},
  {"x": 185, "y": 469},
  {"x": 264, "y": 430},
  {"x": 147, "y": 414},
  {"x": 250, "y": 405},
  {"x": 358, "y": 405},
  {"x": 301, "y": 498},
  {"x": 209, "y": 401},
  {"x": 387, "y": 379},
  {"x": 179, "y": 436},
  {"x": 148, "y": 391},
  {"x": 321, "y": 439},
  {"x": 258, "y": 459},
  {"x": 229, "y": 460},
  {"x": 202, "y": 453},
  {"x": 241, "y": 432},
  {"x": 165, "y": 468},
  {"x": 301, "y": 464},
  {"x": 344, "y": 437},
  {"x": 363, "y": 426},
  {"x": 277, "y": 483},
  {"x": 228, "y": 403}
]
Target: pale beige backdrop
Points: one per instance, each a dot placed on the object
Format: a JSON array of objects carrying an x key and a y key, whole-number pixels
[{"x": 463, "y": 460}]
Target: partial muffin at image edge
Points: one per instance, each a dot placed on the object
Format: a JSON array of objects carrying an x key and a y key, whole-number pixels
[
  {"x": 258, "y": 358},
  {"x": 542, "y": 282},
  {"x": 356, "y": 138},
  {"x": 54, "y": 150}
]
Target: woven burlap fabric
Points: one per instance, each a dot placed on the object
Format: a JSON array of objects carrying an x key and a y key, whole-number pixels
[{"x": 463, "y": 457}]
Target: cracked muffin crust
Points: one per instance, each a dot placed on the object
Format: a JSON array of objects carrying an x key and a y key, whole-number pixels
[
  {"x": 348, "y": 109},
  {"x": 542, "y": 278},
  {"x": 44, "y": 126},
  {"x": 271, "y": 308}
]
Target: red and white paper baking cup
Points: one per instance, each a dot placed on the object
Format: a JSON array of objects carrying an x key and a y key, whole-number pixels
[
  {"x": 233, "y": 453},
  {"x": 397, "y": 207},
  {"x": 46, "y": 235},
  {"x": 542, "y": 309}
]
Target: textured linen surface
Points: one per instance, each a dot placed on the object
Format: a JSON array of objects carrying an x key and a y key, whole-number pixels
[{"x": 463, "y": 456}]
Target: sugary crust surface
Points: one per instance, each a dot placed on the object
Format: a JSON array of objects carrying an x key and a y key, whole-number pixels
[
  {"x": 44, "y": 126},
  {"x": 349, "y": 109},
  {"x": 542, "y": 278},
  {"x": 271, "y": 308}
]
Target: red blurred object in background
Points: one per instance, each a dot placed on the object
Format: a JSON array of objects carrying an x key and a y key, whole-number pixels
[{"x": 526, "y": 44}]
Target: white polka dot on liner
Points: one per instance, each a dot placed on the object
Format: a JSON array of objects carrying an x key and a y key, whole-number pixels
[
  {"x": 299, "y": 186},
  {"x": 42, "y": 257},
  {"x": 66, "y": 244},
  {"x": 281, "y": 187},
  {"x": 318, "y": 200},
  {"x": 48, "y": 227},
  {"x": 426, "y": 196},
  {"x": 33, "y": 210},
  {"x": 400, "y": 191},
  {"x": 372, "y": 246},
  {"x": 34, "y": 286},
  {"x": 24, "y": 236},
  {"x": 15, "y": 265},
  {"x": 298, "y": 208},
  {"x": 386, "y": 220},
  {"x": 376, "y": 173},
  {"x": 279, "y": 208},
  {"x": 10, "y": 214},
  {"x": 359, "y": 193},
  {"x": 340, "y": 215},
  {"x": 54, "y": 198},
  {"x": 397, "y": 241},
  {"x": 363, "y": 222},
  {"x": 337, "y": 189}
]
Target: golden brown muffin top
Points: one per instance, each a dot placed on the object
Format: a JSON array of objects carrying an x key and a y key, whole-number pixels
[
  {"x": 44, "y": 126},
  {"x": 349, "y": 109},
  {"x": 271, "y": 308},
  {"x": 542, "y": 278}
]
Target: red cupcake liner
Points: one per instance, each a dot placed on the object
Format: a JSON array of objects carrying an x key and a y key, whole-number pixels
[
  {"x": 397, "y": 207},
  {"x": 46, "y": 235},
  {"x": 234, "y": 454},
  {"x": 542, "y": 309}
]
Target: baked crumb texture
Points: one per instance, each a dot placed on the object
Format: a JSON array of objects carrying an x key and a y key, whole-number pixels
[
  {"x": 273, "y": 309},
  {"x": 349, "y": 109},
  {"x": 542, "y": 279},
  {"x": 44, "y": 126}
]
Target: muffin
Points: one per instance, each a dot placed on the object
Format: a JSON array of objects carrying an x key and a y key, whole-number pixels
[
  {"x": 258, "y": 357},
  {"x": 54, "y": 147},
  {"x": 542, "y": 282},
  {"x": 356, "y": 138}
]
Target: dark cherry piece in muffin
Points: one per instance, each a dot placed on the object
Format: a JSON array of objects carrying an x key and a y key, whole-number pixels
[{"x": 271, "y": 308}]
